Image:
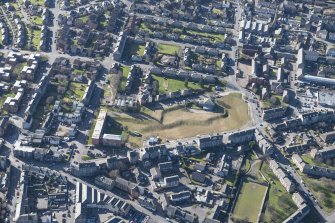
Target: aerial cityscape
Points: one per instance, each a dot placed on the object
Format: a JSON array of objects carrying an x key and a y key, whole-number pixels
[{"x": 154, "y": 111}]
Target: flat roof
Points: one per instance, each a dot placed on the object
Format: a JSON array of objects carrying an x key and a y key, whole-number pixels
[
  {"x": 99, "y": 124},
  {"x": 112, "y": 137}
]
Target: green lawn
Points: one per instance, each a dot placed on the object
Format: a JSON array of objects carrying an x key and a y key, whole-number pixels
[
  {"x": 76, "y": 91},
  {"x": 144, "y": 27},
  {"x": 18, "y": 68},
  {"x": 86, "y": 157},
  {"x": 89, "y": 142},
  {"x": 125, "y": 72},
  {"x": 279, "y": 204},
  {"x": 213, "y": 36},
  {"x": 78, "y": 72},
  {"x": 170, "y": 85},
  {"x": 324, "y": 191},
  {"x": 133, "y": 49},
  {"x": 168, "y": 49},
  {"x": 4, "y": 97},
  {"x": 36, "y": 38},
  {"x": 140, "y": 50},
  {"x": 249, "y": 202},
  {"x": 37, "y": 20},
  {"x": 308, "y": 159},
  {"x": 37, "y": 2},
  {"x": 84, "y": 19}
]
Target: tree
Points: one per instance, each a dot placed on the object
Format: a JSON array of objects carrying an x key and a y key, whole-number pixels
[
  {"x": 113, "y": 174},
  {"x": 252, "y": 144},
  {"x": 201, "y": 82},
  {"x": 274, "y": 101},
  {"x": 186, "y": 82},
  {"x": 61, "y": 90},
  {"x": 50, "y": 100}
]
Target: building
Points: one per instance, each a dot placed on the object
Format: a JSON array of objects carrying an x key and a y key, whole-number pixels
[
  {"x": 155, "y": 173},
  {"x": 86, "y": 169},
  {"x": 26, "y": 152},
  {"x": 147, "y": 203},
  {"x": 282, "y": 176},
  {"x": 210, "y": 141},
  {"x": 99, "y": 126},
  {"x": 264, "y": 144},
  {"x": 4, "y": 122},
  {"x": 111, "y": 140},
  {"x": 104, "y": 182},
  {"x": 172, "y": 181},
  {"x": 198, "y": 177},
  {"x": 273, "y": 113},
  {"x": 132, "y": 156},
  {"x": 165, "y": 167},
  {"x": 180, "y": 197},
  {"x": 312, "y": 170},
  {"x": 223, "y": 167},
  {"x": 241, "y": 137},
  {"x": 127, "y": 186},
  {"x": 153, "y": 152},
  {"x": 323, "y": 154},
  {"x": 328, "y": 137},
  {"x": 326, "y": 99},
  {"x": 302, "y": 211}
]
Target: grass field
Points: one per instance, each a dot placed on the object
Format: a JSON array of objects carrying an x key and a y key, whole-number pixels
[
  {"x": 214, "y": 37},
  {"x": 36, "y": 38},
  {"x": 37, "y": 2},
  {"x": 123, "y": 81},
  {"x": 76, "y": 91},
  {"x": 324, "y": 191},
  {"x": 249, "y": 202},
  {"x": 168, "y": 49},
  {"x": 181, "y": 123},
  {"x": 37, "y": 20},
  {"x": 133, "y": 49},
  {"x": 170, "y": 85}
]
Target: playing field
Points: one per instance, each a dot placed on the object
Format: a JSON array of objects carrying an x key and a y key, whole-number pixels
[
  {"x": 249, "y": 203},
  {"x": 182, "y": 122}
]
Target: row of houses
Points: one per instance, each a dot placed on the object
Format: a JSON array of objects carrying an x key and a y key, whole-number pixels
[
  {"x": 21, "y": 32},
  {"x": 312, "y": 170},
  {"x": 323, "y": 154},
  {"x": 28, "y": 71},
  {"x": 273, "y": 113},
  {"x": 179, "y": 24},
  {"x": 210, "y": 141},
  {"x": 303, "y": 209},
  {"x": 89, "y": 198},
  {"x": 182, "y": 75},
  {"x": 11, "y": 104},
  {"x": 92, "y": 168},
  {"x": 119, "y": 47},
  {"x": 5, "y": 36},
  {"x": 288, "y": 184},
  {"x": 307, "y": 118},
  {"x": 44, "y": 38},
  {"x": 37, "y": 153},
  {"x": 119, "y": 183}
]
